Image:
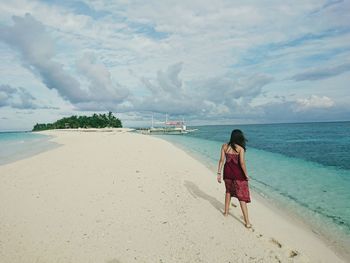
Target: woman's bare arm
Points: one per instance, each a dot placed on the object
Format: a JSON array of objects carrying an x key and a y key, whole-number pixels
[
  {"x": 242, "y": 162},
  {"x": 221, "y": 162}
]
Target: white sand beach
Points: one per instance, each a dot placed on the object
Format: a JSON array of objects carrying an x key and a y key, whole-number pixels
[{"x": 118, "y": 197}]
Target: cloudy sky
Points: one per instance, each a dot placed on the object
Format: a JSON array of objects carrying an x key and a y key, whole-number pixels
[{"x": 258, "y": 61}]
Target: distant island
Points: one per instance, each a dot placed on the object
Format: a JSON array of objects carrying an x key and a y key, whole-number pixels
[{"x": 94, "y": 121}]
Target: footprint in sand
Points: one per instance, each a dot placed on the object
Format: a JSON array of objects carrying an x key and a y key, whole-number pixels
[
  {"x": 293, "y": 253},
  {"x": 276, "y": 242},
  {"x": 278, "y": 260}
]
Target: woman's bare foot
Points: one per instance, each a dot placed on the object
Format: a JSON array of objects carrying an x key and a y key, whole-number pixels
[
  {"x": 249, "y": 225},
  {"x": 225, "y": 214}
]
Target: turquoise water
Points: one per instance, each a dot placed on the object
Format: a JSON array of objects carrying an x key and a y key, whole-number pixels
[
  {"x": 324, "y": 143},
  {"x": 304, "y": 168},
  {"x": 18, "y": 145}
]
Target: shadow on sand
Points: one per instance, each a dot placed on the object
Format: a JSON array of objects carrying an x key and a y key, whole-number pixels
[{"x": 196, "y": 192}]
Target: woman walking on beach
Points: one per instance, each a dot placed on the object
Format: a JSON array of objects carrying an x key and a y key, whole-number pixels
[{"x": 235, "y": 173}]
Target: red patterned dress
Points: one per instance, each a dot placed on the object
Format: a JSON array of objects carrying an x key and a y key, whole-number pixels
[{"x": 235, "y": 181}]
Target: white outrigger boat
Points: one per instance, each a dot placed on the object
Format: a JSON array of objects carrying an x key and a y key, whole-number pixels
[{"x": 169, "y": 127}]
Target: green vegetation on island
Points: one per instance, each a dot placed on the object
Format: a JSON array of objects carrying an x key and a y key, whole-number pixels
[{"x": 94, "y": 121}]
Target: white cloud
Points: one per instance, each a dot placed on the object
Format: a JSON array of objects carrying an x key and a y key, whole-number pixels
[
  {"x": 314, "y": 102},
  {"x": 167, "y": 94},
  {"x": 101, "y": 84},
  {"x": 36, "y": 46},
  {"x": 322, "y": 73},
  {"x": 222, "y": 96},
  {"x": 18, "y": 98},
  {"x": 29, "y": 37}
]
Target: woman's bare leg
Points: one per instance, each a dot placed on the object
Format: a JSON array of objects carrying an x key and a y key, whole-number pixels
[
  {"x": 227, "y": 203},
  {"x": 245, "y": 213}
]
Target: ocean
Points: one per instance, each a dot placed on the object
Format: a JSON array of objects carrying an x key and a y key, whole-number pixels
[
  {"x": 302, "y": 168},
  {"x": 18, "y": 145}
]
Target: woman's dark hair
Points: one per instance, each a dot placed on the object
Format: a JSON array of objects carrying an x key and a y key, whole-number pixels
[{"x": 237, "y": 137}]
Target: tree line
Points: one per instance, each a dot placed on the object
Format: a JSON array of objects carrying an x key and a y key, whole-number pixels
[{"x": 94, "y": 121}]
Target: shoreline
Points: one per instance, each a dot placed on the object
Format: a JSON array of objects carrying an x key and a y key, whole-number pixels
[
  {"x": 45, "y": 144},
  {"x": 277, "y": 207},
  {"x": 27, "y": 149},
  {"x": 86, "y": 193}
]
